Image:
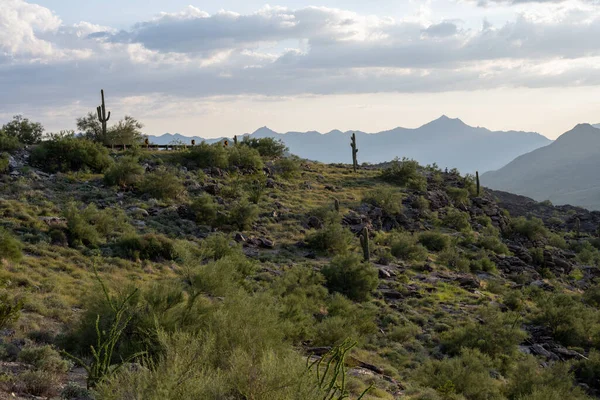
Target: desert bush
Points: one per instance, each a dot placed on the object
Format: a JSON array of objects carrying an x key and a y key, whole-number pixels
[
  {"x": 146, "y": 247},
  {"x": 10, "y": 309},
  {"x": 495, "y": 334},
  {"x": 332, "y": 238},
  {"x": 73, "y": 391},
  {"x": 90, "y": 226},
  {"x": 4, "y": 162},
  {"x": 454, "y": 259},
  {"x": 388, "y": 199},
  {"x": 288, "y": 167},
  {"x": 268, "y": 148},
  {"x": 492, "y": 243},
  {"x": 9, "y": 143},
  {"x": 569, "y": 320},
  {"x": 40, "y": 383},
  {"x": 205, "y": 155},
  {"x": 456, "y": 219},
  {"x": 557, "y": 241},
  {"x": 43, "y": 358},
  {"x": 483, "y": 264},
  {"x": 217, "y": 246},
  {"x": 458, "y": 196},
  {"x": 205, "y": 209},
  {"x": 405, "y": 246},
  {"x": 23, "y": 130},
  {"x": 162, "y": 184},
  {"x": 126, "y": 172},
  {"x": 348, "y": 275},
  {"x": 65, "y": 152},
  {"x": 405, "y": 173},
  {"x": 588, "y": 370},
  {"x": 245, "y": 158},
  {"x": 10, "y": 248},
  {"x": 468, "y": 374},
  {"x": 243, "y": 214},
  {"x": 532, "y": 229},
  {"x": 434, "y": 241}
]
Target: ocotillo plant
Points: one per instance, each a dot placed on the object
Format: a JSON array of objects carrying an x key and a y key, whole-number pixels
[
  {"x": 102, "y": 117},
  {"x": 364, "y": 242},
  {"x": 477, "y": 180},
  {"x": 354, "y": 151}
]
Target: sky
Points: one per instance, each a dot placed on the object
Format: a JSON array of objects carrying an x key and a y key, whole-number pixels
[{"x": 211, "y": 69}]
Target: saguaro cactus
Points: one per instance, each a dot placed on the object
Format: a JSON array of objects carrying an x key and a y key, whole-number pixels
[
  {"x": 477, "y": 179},
  {"x": 336, "y": 205},
  {"x": 354, "y": 151},
  {"x": 235, "y": 140},
  {"x": 102, "y": 116},
  {"x": 364, "y": 242}
]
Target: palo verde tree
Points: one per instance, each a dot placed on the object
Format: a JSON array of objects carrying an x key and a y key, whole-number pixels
[{"x": 23, "y": 130}]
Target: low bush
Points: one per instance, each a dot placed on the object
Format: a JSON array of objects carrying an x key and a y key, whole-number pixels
[
  {"x": 434, "y": 241},
  {"x": 243, "y": 214},
  {"x": 533, "y": 229},
  {"x": 10, "y": 248},
  {"x": 348, "y": 275},
  {"x": 332, "y": 238},
  {"x": 90, "y": 226},
  {"x": 288, "y": 167},
  {"x": 65, "y": 152},
  {"x": 162, "y": 184},
  {"x": 405, "y": 247},
  {"x": 245, "y": 158},
  {"x": 146, "y": 247},
  {"x": 43, "y": 358},
  {"x": 268, "y": 148},
  {"x": 205, "y": 209},
  {"x": 206, "y": 155},
  {"x": 454, "y": 259},
  {"x": 9, "y": 143},
  {"x": 459, "y": 196},
  {"x": 4, "y": 162},
  {"x": 456, "y": 219},
  {"x": 126, "y": 172},
  {"x": 388, "y": 199},
  {"x": 405, "y": 173}
]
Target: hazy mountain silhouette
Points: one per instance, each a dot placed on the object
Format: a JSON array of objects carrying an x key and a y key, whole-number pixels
[
  {"x": 564, "y": 172},
  {"x": 449, "y": 142}
]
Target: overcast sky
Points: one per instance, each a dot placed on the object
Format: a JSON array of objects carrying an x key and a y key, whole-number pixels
[{"x": 218, "y": 70}]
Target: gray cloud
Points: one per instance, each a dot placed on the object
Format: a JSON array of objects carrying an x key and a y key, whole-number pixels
[{"x": 193, "y": 54}]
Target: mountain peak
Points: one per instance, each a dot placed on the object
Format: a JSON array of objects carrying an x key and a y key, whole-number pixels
[
  {"x": 581, "y": 135},
  {"x": 445, "y": 122},
  {"x": 264, "y": 132}
]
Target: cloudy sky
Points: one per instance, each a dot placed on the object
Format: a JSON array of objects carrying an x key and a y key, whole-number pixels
[{"x": 213, "y": 69}]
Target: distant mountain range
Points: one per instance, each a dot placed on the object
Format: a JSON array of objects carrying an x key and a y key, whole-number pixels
[
  {"x": 564, "y": 172},
  {"x": 449, "y": 142}
]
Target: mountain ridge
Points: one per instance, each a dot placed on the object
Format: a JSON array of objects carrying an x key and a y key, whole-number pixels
[{"x": 448, "y": 142}]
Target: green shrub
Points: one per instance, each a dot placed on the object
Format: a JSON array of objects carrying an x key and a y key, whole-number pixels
[
  {"x": 346, "y": 274},
  {"x": 405, "y": 173},
  {"x": 245, "y": 158},
  {"x": 288, "y": 167},
  {"x": 205, "y": 209},
  {"x": 146, "y": 247},
  {"x": 23, "y": 130},
  {"x": 388, "y": 199},
  {"x": 533, "y": 228},
  {"x": 40, "y": 383},
  {"x": 43, "y": 358},
  {"x": 90, "y": 226},
  {"x": 483, "y": 264},
  {"x": 162, "y": 185},
  {"x": 10, "y": 248},
  {"x": 65, "y": 152},
  {"x": 458, "y": 196},
  {"x": 456, "y": 219},
  {"x": 494, "y": 333},
  {"x": 468, "y": 374},
  {"x": 8, "y": 143},
  {"x": 332, "y": 238},
  {"x": 492, "y": 243},
  {"x": 268, "y": 148},
  {"x": 217, "y": 246},
  {"x": 405, "y": 247},
  {"x": 4, "y": 162},
  {"x": 127, "y": 172},
  {"x": 453, "y": 259},
  {"x": 243, "y": 214},
  {"x": 10, "y": 309},
  {"x": 588, "y": 370},
  {"x": 434, "y": 241},
  {"x": 73, "y": 391},
  {"x": 205, "y": 155}
]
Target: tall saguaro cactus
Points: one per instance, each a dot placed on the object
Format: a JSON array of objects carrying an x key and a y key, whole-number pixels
[
  {"x": 354, "y": 151},
  {"x": 364, "y": 242},
  {"x": 477, "y": 179},
  {"x": 102, "y": 117}
]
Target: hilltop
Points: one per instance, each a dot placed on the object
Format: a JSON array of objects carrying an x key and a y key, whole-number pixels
[{"x": 231, "y": 267}]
